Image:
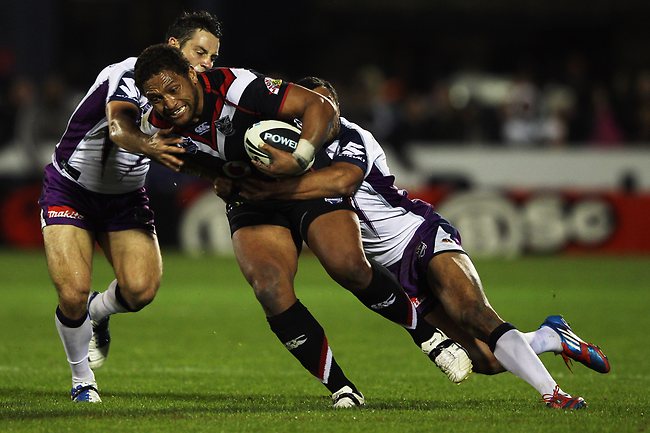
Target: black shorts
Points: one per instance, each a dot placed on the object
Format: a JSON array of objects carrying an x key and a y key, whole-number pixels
[{"x": 296, "y": 215}]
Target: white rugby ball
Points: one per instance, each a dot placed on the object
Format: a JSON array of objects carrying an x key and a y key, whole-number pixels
[{"x": 279, "y": 134}]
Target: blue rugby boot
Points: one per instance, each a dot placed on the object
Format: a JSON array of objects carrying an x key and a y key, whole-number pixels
[
  {"x": 85, "y": 392},
  {"x": 573, "y": 347}
]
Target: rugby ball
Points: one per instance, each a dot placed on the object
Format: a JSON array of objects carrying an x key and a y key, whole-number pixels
[{"x": 276, "y": 133}]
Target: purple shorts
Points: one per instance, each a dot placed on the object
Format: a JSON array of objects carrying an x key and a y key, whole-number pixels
[
  {"x": 434, "y": 236},
  {"x": 64, "y": 202}
]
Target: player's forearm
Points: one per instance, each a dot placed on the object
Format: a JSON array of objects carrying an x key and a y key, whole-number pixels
[
  {"x": 319, "y": 118},
  {"x": 319, "y": 123},
  {"x": 326, "y": 182},
  {"x": 126, "y": 134}
]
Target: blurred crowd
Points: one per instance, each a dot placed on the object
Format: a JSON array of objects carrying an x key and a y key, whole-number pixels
[{"x": 517, "y": 109}]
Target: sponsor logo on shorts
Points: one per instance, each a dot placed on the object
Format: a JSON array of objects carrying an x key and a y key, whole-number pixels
[
  {"x": 63, "y": 212},
  {"x": 273, "y": 85},
  {"x": 337, "y": 200},
  {"x": 387, "y": 303},
  {"x": 296, "y": 342}
]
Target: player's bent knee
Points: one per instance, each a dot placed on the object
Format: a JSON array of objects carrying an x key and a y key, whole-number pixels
[
  {"x": 140, "y": 301},
  {"x": 271, "y": 290},
  {"x": 351, "y": 274},
  {"x": 73, "y": 298},
  {"x": 139, "y": 295}
]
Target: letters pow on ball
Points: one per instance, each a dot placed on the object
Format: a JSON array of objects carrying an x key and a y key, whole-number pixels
[{"x": 276, "y": 133}]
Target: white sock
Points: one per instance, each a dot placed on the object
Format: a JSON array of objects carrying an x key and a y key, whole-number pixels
[
  {"x": 105, "y": 304},
  {"x": 75, "y": 342},
  {"x": 515, "y": 355},
  {"x": 544, "y": 340}
]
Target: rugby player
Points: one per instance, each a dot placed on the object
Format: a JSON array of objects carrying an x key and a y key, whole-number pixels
[
  {"x": 213, "y": 110},
  {"x": 93, "y": 191},
  {"x": 424, "y": 252}
]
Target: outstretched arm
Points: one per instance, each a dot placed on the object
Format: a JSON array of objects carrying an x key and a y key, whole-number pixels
[
  {"x": 123, "y": 130},
  {"x": 339, "y": 179}
]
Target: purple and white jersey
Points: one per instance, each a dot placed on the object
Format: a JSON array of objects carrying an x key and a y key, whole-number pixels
[
  {"x": 388, "y": 217},
  {"x": 85, "y": 154}
]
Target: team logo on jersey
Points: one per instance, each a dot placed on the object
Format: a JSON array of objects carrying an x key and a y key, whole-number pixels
[
  {"x": 296, "y": 342},
  {"x": 354, "y": 150},
  {"x": 273, "y": 85},
  {"x": 202, "y": 128},
  {"x": 128, "y": 88},
  {"x": 224, "y": 125},
  {"x": 63, "y": 212},
  {"x": 421, "y": 250},
  {"x": 189, "y": 145},
  {"x": 387, "y": 303}
]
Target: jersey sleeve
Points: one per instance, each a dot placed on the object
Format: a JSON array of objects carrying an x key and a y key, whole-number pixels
[
  {"x": 121, "y": 87},
  {"x": 352, "y": 149},
  {"x": 262, "y": 95},
  {"x": 149, "y": 125}
]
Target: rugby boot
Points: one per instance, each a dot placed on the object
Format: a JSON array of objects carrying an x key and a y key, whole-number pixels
[
  {"x": 347, "y": 397},
  {"x": 85, "y": 392},
  {"x": 449, "y": 356},
  {"x": 575, "y": 348},
  {"x": 560, "y": 400}
]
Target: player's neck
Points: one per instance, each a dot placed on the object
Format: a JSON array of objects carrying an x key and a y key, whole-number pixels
[{"x": 199, "y": 103}]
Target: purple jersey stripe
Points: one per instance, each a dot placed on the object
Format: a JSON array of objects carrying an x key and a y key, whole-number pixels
[{"x": 87, "y": 115}]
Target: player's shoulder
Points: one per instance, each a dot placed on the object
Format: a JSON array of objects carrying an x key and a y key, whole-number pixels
[
  {"x": 117, "y": 71},
  {"x": 354, "y": 138},
  {"x": 119, "y": 68},
  {"x": 352, "y": 132}
]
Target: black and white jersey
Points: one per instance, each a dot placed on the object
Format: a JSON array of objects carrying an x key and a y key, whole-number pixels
[{"x": 234, "y": 99}]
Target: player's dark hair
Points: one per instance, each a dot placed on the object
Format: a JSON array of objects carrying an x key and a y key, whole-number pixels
[
  {"x": 312, "y": 82},
  {"x": 187, "y": 23},
  {"x": 158, "y": 58}
]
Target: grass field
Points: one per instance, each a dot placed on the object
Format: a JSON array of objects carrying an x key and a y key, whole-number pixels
[{"x": 202, "y": 359}]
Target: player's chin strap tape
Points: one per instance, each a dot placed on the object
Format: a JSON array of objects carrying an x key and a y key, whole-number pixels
[{"x": 304, "y": 153}]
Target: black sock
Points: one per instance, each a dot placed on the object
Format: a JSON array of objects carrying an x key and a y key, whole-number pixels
[
  {"x": 66, "y": 321},
  {"x": 385, "y": 296},
  {"x": 303, "y": 336}
]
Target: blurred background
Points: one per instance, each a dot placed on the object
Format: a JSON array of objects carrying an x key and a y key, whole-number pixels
[{"x": 527, "y": 123}]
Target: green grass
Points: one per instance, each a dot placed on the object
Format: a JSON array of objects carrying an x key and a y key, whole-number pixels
[{"x": 202, "y": 359}]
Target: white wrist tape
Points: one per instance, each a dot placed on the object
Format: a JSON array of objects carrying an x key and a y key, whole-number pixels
[{"x": 304, "y": 152}]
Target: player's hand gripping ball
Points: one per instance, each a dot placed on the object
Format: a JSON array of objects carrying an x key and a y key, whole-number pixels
[{"x": 276, "y": 133}]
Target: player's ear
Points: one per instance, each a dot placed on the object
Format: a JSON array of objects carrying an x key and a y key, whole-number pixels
[
  {"x": 192, "y": 75},
  {"x": 174, "y": 42}
]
